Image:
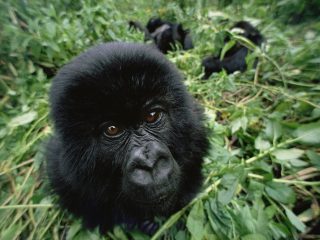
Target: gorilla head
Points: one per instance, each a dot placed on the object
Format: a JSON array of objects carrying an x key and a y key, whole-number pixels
[
  {"x": 164, "y": 34},
  {"x": 128, "y": 139}
]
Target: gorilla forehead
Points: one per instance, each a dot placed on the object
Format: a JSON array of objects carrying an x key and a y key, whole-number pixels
[{"x": 115, "y": 77}]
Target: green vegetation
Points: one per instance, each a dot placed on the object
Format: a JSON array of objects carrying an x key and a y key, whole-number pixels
[{"x": 263, "y": 172}]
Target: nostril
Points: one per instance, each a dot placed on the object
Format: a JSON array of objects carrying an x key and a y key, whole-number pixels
[
  {"x": 163, "y": 168},
  {"x": 163, "y": 163}
]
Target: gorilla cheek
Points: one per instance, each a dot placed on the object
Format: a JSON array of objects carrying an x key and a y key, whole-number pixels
[{"x": 151, "y": 174}]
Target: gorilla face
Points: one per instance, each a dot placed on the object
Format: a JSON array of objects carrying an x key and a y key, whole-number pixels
[
  {"x": 128, "y": 141},
  {"x": 165, "y": 34}
]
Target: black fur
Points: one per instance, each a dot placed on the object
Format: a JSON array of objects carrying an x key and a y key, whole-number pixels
[
  {"x": 235, "y": 58},
  {"x": 91, "y": 172},
  {"x": 164, "y": 34}
]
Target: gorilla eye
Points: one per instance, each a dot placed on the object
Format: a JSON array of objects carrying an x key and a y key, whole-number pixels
[
  {"x": 152, "y": 117},
  {"x": 112, "y": 130}
]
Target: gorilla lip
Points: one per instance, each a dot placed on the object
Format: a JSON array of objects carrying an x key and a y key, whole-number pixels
[{"x": 158, "y": 200}]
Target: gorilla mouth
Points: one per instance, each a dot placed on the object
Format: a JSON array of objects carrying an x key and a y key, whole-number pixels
[{"x": 154, "y": 202}]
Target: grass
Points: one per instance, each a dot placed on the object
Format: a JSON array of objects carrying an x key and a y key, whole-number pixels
[{"x": 262, "y": 173}]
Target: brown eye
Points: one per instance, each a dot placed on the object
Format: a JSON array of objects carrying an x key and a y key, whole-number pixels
[
  {"x": 152, "y": 117},
  {"x": 112, "y": 130}
]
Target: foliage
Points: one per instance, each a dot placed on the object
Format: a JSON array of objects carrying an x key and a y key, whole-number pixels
[{"x": 262, "y": 173}]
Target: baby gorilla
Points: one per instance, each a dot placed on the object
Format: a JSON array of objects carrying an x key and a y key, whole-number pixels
[
  {"x": 235, "y": 58},
  {"x": 164, "y": 34},
  {"x": 128, "y": 139}
]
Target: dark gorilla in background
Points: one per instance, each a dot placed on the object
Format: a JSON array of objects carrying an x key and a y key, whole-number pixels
[
  {"x": 235, "y": 58},
  {"x": 128, "y": 139},
  {"x": 164, "y": 34}
]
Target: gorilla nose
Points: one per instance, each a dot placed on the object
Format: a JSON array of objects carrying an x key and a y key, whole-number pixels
[{"x": 150, "y": 165}]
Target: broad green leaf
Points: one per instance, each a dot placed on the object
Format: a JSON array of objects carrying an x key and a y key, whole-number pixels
[
  {"x": 261, "y": 144},
  {"x": 220, "y": 219},
  {"x": 288, "y": 154},
  {"x": 254, "y": 236},
  {"x": 314, "y": 158},
  {"x": 255, "y": 189},
  {"x": 271, "y": 211},
  {"x": 11, "y": 232},
  {"x": 51, "y": 29},
  {"x": 87, "y": 235},
  {"x": 238, "y": 123},
  {"x": 227, "y": 47},
  {"x": 307, "y": 215},
  {"x": 295, "y": 221},
  {"x": 279, "y": 230},
  {"x": 280, "y": 192},
  {"x": 314, "y": 60},
  {"x": 316, "y": 113},
  {"x": 181, "y": 235},
  {"x": 73, "y": 230},
  {"x": 229, "y": 183},
  {"x": 298, "y": 163},
  {"x": 309, "y": 133},
  {"x": 77, "y": 232},
  {"x": 273, "y": 129},
  {"x": 23, "y": 119},
  {"x": 208, "y": 232},
  {"x": 119, "y": 234},
  {"x": 196, "y": 221},
  {"x": 138, "y": 235},
  {"x": 54, "y": 46}
]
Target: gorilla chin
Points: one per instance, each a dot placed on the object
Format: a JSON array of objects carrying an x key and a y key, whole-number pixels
[{"x": 128, "y": 140}]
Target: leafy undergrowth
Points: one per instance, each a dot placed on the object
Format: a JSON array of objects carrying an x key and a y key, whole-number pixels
[{"x": 262, "y": 173}]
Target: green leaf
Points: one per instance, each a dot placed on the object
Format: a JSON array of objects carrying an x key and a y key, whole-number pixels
[
  {"x": 288, "y": 154},
  {"x": 298, "y": 163},
  {"x": 138, "y": 235},
  {"x": 314, "y": 158},
  {"x": 11, "y": 232},
  {"x": 307, "y": 215},
  {"x": 208, "y": 232},
  {"x": 279, "y": 230},
  {"x": 76, "y": 232},
  {"x": 73, "y": 230},
  {"x": 295, "y": 221},
  {"x": 309, "y": 133},
  {"x": 280, "y": 192},
  {"x": 229, "y": 184},
  {"x": 181, "y": 235},
  {"x": 220, "y": 219},
  {"x": 254, "y": 236},
  {"x": 119, "y": 233},
  {"x": 23, "y": 119},
  {"x": 314, "y": 60},
  {"x": 261, "y": 144},
  {"x": 51, "y": 29},
  {"x": 315, "y": 113},
  {"x": 226, "y": 48},
  {"x": 196, "y": 221},
  {"x": 273, "y": 129},
  {"x": 55, "y": 47},
  {"x": 238, "y": 123}
]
